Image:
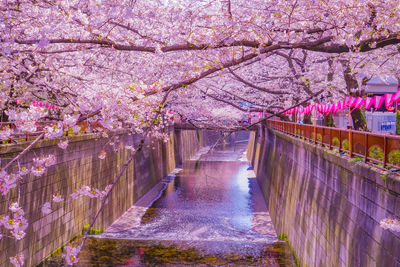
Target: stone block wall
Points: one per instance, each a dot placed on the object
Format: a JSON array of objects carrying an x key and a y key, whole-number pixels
[
  {"x": 80, "y": 165},
  {"x": 329, "y": 206}
]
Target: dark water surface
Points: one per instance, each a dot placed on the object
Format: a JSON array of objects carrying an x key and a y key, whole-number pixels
[{"x": 210, "y": 213}]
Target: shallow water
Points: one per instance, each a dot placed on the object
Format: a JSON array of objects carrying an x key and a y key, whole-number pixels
[{"x": 210, "y": 213}]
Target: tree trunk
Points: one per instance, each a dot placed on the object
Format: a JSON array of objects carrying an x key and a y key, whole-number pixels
[
  {"x": 398, "y": 122},
  {"x": 294, "y": 117},
  {"x": 307, "y": 118},
  {"x": 328, "y": 121},
  {"x": 359, "y": 120},
  {"x": 4, "y": 116}
]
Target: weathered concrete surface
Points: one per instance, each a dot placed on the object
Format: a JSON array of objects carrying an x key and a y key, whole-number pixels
[
  {"x": 328, "y": 206},
  {"x": 79, "y": 165}
]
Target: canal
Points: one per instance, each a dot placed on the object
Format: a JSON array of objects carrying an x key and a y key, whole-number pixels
[{"x": 209, "y": 213}]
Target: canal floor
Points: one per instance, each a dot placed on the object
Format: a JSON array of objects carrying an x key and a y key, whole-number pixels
[{"x": 210, "y": 213}]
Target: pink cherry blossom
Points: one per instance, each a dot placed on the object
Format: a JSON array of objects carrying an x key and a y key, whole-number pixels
[
  {"x": 54, "y": 131},
  {"x": 75, "y": 195},
  {"x": 390, "y": 224},
  {"x": 38, "y": 171},
  {"x": 46, "y": 208},
  {"x": 102, "y": 155},
  {"x": 6, "y": 134},
  {"x": 4, "y": 219},
  {"x": 70, "y": 120},
  {"x": 76, "y": 129},
  {"x": 63, "y": 144},
  {"x": 18, "y": 234},
  {"x": 58, "y": 198},
  {"x": 18, "y": 260},
  {"x": 71, "y": 254},
  {"x": 23, "y": 171},
  {"x": 16, "y": 210},
  {"x": 50, "y": 160},
  {"x": 20, "y": 224}
]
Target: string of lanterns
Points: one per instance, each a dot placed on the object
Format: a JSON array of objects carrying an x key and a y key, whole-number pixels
[
  {"x": 40, "y": 104},
  {"x": 44, "y": 105},
  {"x": 350, "y": 102}
]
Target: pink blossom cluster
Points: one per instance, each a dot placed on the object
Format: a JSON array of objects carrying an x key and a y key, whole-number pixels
[
  {"x": 46, "y": 208},
  {"x": 54, "y": 131},
  {"x": 71, "y": 120},
  {"x": 40, "y": 164},
  {"x": 102, "y": 155},
  {"x": 25, "y": 121},
  {"x": 57, "y": 198},
  {"x": 390, "y": 224},
  {"x": 18, "y": 260},
  {"x": 17, "y": 225},
  {"x": 90, "y": 192},
  {"x": 6, "y": 133},
  {"x": 71, "y": 254},
  {"x": 47, "y": 160},
  {"x": 7, "y": 181},
  {"x": 63, "y": 144}
]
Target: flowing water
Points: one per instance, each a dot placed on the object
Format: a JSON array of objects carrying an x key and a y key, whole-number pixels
[{"x": 210, "y": 213}]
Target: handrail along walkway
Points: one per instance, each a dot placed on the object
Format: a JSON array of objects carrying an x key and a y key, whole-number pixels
[{"x": 381, "y": 149}]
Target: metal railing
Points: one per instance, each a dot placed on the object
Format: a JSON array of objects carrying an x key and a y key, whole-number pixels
[{"x": 381, "y": 149}]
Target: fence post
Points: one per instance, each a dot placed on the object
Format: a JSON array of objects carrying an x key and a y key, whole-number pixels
[
  {"x": 366, "y": 148},
  {"x": 350, "y": 143},
  {"x": 384, "y": 151},
  {"x": 330, "y": 138},
  {"x": 315, "y": 133}
]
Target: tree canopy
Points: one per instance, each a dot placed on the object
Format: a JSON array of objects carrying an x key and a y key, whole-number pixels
[
  {"x": 122, "y": 57},
  {"x": 130, "y": 63}
]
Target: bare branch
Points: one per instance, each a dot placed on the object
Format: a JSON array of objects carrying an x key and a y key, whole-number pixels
[{"x": 275, "y": 92}]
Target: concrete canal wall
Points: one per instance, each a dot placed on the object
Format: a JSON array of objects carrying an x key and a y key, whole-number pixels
[
  {"x": 80, "y": 165},
  {"x": 328, "y": 205}
]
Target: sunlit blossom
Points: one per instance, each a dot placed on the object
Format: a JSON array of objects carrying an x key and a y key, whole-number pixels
[
  {"x": 390, "y": 224},
  {"x": 18, "y": 260},
  {"x": 58, "y": 198},
  {"x": 71, "y": 254},
  {"x": 102, "y": 155},
  {"x": 18, "y": 234},
  {"x": 38, "y": 171},
  {"x": 63, "y": 144},
  {"x": 6, "y": 134},
  {"x": 46, "y": 208},
  {"x": 71, "y": 120},
  {"x": 54, "y": 131},
  {"x": 76, "y": 129}
]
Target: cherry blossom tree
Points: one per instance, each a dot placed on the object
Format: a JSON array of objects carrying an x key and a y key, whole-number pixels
[{"x": 122, "y": 64}]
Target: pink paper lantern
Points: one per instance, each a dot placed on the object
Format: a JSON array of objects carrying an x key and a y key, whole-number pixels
[
  {"x": 396, "y": 96},
  {"x": 348, "y": 101},
  {"x": 368, "y": 102},
  {"x": 359, "y": 102},
  {"x": 388, "y": 100},
  {"x": 378, "y": 102},
  {"x": 332, "y": 109}
]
